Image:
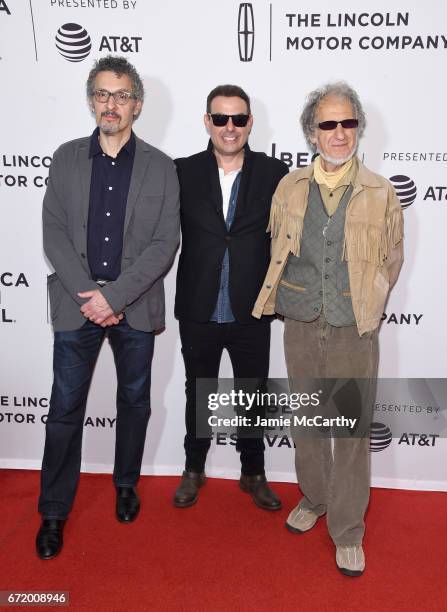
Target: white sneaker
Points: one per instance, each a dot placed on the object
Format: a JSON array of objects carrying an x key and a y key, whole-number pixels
[
  {"x": 301, "y": 520},
  {"x": 350, "y": 560}
]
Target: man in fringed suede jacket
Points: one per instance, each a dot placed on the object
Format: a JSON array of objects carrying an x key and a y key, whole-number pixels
[{"x": 336, "y": 251}]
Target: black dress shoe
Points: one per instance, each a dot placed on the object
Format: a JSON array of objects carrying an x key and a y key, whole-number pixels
[
  {"x": 258, "y": 487},
  {"x": 127, "y": 504},
  {"x": 188, "y": 490},
  {"x": 49, "y": 540}
]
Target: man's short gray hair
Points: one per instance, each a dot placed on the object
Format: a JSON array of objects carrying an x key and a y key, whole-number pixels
[
  {"x": 118, "y": 65},
  {"x": 339, "y": 89}
]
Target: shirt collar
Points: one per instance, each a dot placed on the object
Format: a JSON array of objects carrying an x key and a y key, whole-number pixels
[
  {"x": 95, "y": 147},
  {"x": 229, "y": 176},
  {"x": 364, "y": 177}
]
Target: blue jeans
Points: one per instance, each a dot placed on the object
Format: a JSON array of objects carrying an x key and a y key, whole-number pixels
[{"x": 75, "y": 355}]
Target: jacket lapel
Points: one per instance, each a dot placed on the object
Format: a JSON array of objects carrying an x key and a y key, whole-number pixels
[
  {"x": 140, "y": 165},
  {"x": 363, "y": 177},
  {"x": 85, "y": 176},
  {"x": 212, "y": 174},
  {"x": 215, "y": 190},
  {"x": 246, "y": 184}
]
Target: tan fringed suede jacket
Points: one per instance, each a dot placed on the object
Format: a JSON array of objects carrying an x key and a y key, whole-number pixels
[{"x": 372, "y": 242}]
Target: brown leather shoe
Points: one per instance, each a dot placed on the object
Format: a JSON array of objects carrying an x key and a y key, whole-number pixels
[
  {"x": 258, "y": 487},
  {"x": 188, "y": 490}
]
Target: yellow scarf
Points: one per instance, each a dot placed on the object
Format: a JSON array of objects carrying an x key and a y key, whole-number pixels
[{"x": 330, "y": 179}]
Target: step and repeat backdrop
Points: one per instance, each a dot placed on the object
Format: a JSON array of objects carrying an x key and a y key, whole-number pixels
[{"x": 393, "y": 53}]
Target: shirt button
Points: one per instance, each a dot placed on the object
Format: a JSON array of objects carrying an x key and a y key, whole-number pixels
[
  {"x": 104, "y": 263},
  {"x": 316, "y": 309},
  {"x": 268, "y": 286},
  {"x": 288, "y": 236},
  {"x": 326, "y": 276},
  {"x": 113, "y": 163},
  {"x": 107, "y": 214},
  {"x": 103, "y": 154},
  {"x": 330, "y": 195},
  {"x": 327, "y": 260},
  {"x": 110, "y": 188},
  {"x": 107, "y": 239},
  {"x": 279, "y": 261},
  {"x": 320, "y": 293},
  {"x": 329, "y": 242}
]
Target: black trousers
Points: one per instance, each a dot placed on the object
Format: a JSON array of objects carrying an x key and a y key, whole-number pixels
[{"x": 202, "y": 346}]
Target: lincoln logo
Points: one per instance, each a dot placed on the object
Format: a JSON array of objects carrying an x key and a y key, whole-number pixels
[{"x": 246, "y": 32}]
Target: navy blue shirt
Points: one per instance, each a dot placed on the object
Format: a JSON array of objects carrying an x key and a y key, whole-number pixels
[{"x": 109, "y": 188}]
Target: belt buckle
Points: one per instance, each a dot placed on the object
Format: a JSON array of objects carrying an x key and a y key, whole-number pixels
[{"x": 101, "y": 282}]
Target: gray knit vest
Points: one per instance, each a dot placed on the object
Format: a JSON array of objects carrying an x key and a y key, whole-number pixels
[{"x": 318, "y": 278}]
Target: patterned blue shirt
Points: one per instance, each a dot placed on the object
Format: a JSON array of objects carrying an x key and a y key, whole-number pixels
[{"x": 223, "y": 313}]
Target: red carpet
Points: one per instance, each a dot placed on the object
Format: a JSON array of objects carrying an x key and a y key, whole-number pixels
[{"x": 224, "y": 553}]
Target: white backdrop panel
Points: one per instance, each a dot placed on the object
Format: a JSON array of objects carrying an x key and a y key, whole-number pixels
[{"x": 182, "y": 50}]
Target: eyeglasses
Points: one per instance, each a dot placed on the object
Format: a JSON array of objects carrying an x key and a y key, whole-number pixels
[
  {"x": 347, "y": 124},
  {"x": 120, "y": 97},
  {"x": 220, "y": 120}
]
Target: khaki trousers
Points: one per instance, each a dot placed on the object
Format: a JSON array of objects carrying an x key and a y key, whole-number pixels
[{"x": 334, "y": 471}]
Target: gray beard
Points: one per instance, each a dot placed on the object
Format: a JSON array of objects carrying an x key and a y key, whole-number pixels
[
  {"x": 109, "y": 129},
  {"x": 338, "y": 161}
]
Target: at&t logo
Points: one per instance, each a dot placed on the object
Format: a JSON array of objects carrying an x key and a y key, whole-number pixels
[
  {"x": 405, "y": 188},
  {"x": 418, "y": 439},
  {"x": 73, "y": 42},
  {"x": 380, "y": 437},
  {"x": 126, "y": 44}
]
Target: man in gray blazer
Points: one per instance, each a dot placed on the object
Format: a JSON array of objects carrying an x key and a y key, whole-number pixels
[{"x": 110, "y": 230}]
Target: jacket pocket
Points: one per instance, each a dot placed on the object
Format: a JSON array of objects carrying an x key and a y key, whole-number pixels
[{"x": 292, "y": 286}]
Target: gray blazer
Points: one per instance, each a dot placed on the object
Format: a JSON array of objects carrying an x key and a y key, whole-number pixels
[{"x": 151, "y": 236}]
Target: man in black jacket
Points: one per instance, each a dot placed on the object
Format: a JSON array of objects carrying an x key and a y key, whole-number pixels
[{"x": 226, "y": 192}]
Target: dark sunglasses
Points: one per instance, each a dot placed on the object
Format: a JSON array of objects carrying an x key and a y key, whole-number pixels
[
  {"x": 347, "y": 124},
  {"x": 220, "y": 120}
]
